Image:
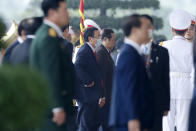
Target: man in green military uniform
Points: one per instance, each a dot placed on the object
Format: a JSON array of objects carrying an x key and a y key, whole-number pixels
[{"x": 49, "y": 56}]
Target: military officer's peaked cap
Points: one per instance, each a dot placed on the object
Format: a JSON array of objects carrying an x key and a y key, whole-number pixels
[
  {"x": 90, "y": 23},
  {"x": 180, "y": 20}
]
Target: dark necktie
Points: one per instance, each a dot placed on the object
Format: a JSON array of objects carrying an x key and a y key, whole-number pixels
[{"x": 95, "y": 53}]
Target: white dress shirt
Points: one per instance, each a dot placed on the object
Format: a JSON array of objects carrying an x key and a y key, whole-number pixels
[
  {"x": 93, "y": 49},
  {"x": 146, "y": 48},
  {"x": 133, "y": 44},
  {"x": 20, "y": 40}
]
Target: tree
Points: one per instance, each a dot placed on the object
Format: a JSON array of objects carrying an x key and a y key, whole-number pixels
[
  {"x": 34, "y": 9},
  {"x": 108, "y": 13},
  {"x": 108, "y": 10},
  {"x": 2, "y": 33}
]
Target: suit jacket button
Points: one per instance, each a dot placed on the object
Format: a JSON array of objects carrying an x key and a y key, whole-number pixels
[{"x": 64, "y": 93}]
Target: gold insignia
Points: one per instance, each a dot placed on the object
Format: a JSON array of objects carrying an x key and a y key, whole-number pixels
[
  {"x": 52, "y": 32},
  {"x": 161, "y": 43}
]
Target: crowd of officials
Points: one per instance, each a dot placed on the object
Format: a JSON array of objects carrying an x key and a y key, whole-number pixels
[{"x": 135, "y": 84}]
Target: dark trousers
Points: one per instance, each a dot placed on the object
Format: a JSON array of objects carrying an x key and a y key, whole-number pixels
[
  {"x": 157, "y": 121},
  {"x": 88, "y": 117},
  {"x": 122, "y": 129},
  {"x": 71, "y": 121},
  {"x": 105, "y": 118}
]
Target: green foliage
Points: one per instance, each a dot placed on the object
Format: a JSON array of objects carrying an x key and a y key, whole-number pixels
[
  {"x": 2, "y": 28},
  {"x": 128, "y": 4},
  {"x": 2, "y": 33},
  {"x": 23, "y": 99},
  {"x": 104, "y": 21},
  {"x": 160, "y": 37},
  {"x": 158, "y": 22}
]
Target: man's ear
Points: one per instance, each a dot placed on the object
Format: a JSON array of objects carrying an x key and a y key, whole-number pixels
[
  {"x": 133, "y": 30},
  {"x": 105, "y": 39},
  {"x": 23, "y": 34},
  {"x": 173, "y": 30},
  {"x": 89, "y": 39}
]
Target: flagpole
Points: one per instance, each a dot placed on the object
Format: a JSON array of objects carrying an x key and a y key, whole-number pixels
[{"x": 81, "y": 12}]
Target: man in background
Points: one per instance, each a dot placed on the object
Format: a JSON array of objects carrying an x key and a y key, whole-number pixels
[
  {"x": 107, "y": 65},
  {"x": 157, "y": 67}
]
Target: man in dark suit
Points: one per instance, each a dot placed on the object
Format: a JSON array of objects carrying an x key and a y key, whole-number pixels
[
  {"x": 192, "y": 113},
  {"x": 107, "y": 68},
  {"x": 49, "y": 56},
  {"x": 68, "y": 43},
  {"x": 21, "y": 38},
  {"x": 20, "y": 54},
  {"x": 89, "y": 89},
  {"x": 157, "y": 66},
  {"x": 132, "y": 97}
]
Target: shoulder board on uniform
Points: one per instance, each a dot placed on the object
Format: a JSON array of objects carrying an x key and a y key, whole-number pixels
[
  {"x": 161, "y": 43},
  {"x": 52, "y": 32}
]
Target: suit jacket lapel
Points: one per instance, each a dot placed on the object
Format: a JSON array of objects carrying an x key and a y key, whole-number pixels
[
  {"x": 91, "y": 53},
  {"x": 154, "y": 54},
  {"x": 107, "y": 54}
]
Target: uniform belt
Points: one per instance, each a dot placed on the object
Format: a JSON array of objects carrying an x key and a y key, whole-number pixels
[{"x": 180, "y": 74}]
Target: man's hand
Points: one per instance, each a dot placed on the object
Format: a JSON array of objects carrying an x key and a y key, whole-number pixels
[
  {"x": 134, "y": 125},
  {"x": 165, "y": 113},
  {"x": 101, "y": 102},
  {"x": 59, "y": 117},
  {"x": 91, "y": 85}
]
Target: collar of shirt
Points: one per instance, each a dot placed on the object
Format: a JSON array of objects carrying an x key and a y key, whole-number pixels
[
  {"x": 93, "y": 49},
  {"x": 179, "y": 37},
  {"x": 20, "y": 40},
  {"x": 146, "y": 48},
  {"x": 133, "y": 44},
  {"x": 106, "y": 49},
  {"x": 31, "y": 36},
  {"x": 55, "y": 27}
]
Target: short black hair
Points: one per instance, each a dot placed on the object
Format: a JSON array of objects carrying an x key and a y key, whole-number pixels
[
  {"x": 21, "y": 27},
  {"x": 65, "y": 27},
  {"x": 180, "y": 32},
  {"x": 31, "y": 25},
  {"x": 46, "y": 5},
  {"x": 148, "y": 17},
  {"x": 90, "y": 32},
  {"x": 107, "y": 33},
  {"x": 130, "y": 22}
]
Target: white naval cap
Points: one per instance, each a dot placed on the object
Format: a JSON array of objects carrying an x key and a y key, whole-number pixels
[
  {"x": 180, "y": 19},
  {"x": 90, "y": 23}
]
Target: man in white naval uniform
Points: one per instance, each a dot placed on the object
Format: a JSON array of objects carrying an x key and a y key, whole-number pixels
[
  {"x": 190, "y": 36},
  {"x": 181, "y": 62}
]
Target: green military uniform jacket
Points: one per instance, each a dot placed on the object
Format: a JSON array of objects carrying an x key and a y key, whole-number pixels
[{"x": 49, "y": 56}]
